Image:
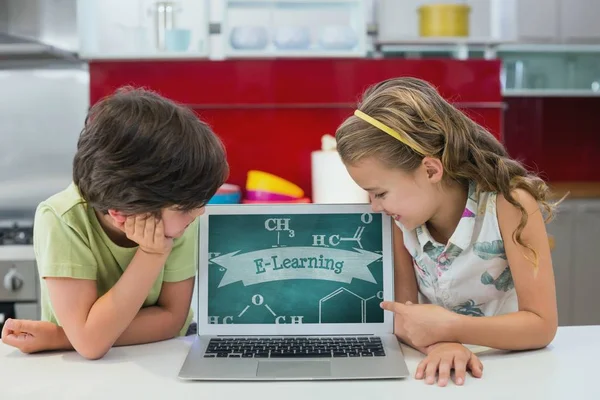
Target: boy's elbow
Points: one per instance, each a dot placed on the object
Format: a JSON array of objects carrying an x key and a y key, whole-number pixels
[
  {"x": 91, "y": 349},
  {"x": 176, "y": 327},
  {"x": 176, "y": 322},
  {"x": 91, "y": 353}
]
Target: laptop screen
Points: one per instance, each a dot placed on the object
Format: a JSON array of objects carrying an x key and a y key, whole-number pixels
[{"x": 319, "y": 268}]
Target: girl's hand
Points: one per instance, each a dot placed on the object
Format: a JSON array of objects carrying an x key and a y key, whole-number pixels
[
  {"x": 442, "y": 358},
  {"x": 423, "y": 324}
]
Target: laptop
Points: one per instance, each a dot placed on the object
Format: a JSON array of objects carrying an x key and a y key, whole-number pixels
[{"x": 292, "y": 292}]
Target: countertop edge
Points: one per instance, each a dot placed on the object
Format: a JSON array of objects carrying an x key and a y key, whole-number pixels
[{"x": 575, "y": 190}]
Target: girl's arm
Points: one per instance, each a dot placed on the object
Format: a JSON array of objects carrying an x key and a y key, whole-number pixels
[
  {"x": 405, "y": 283},
  {"x": 536, "y": 322},
  {"x": 441, "y": 357}
]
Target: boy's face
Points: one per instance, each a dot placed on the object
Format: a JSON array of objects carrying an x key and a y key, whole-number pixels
[{"x": 176, "y": 221}]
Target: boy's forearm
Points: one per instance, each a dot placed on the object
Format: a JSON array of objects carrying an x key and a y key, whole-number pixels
[
  {"x": 522, "y": 330},
  {"x": 151, "y": 324},
  {"x": 112, "y": 313}
]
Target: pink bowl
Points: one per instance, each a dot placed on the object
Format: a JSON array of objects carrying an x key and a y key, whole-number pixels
[
  {"x": 259, "y": 195},
  {"x": 294, "y": 201},
  {"x": 228, "y": 188}
]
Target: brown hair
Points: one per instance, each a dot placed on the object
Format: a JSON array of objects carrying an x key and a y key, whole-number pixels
[
  {"x": 416, "y": 111},
  {"x": 140, "y": 152}
]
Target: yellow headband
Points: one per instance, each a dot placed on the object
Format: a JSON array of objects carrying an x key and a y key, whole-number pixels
[{"x": 407, "y": 141}]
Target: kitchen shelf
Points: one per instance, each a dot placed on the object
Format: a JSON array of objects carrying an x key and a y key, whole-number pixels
[
  {"x": 528, "y": 69},
  {"x": 550, "y": 93},
  {"x": 456, "y": 47},
  {"x": 444, "y": 41},
  {"x": 466, "y": 48},
  {"x": 548, "y": 48},
  {"x": 143, "y": 29},
  {"x": 293, "y": 28},
  {"x": 550, "y": 73}
]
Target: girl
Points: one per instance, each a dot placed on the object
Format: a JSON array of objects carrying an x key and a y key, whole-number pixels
[{"x": 469, "y": 239}]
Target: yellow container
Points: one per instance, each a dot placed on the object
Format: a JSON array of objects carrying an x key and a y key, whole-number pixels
[
  {"x": 444, "y": 20},
  {"x": 266, "y": 182}
]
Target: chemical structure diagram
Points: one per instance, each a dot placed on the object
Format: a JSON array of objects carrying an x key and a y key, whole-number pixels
[
  {"x": 362, "y": 302},
  {"x": 258, "y": 300},
  {"x": 281, "y": 225}
]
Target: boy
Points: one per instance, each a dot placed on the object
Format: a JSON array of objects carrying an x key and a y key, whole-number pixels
[{"x": 116, "y": 250}]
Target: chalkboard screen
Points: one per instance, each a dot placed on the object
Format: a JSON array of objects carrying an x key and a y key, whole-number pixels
[{"x": 295, "y": 268}]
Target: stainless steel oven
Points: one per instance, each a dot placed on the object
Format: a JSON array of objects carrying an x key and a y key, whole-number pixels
[{"x": 19, "y": 284}]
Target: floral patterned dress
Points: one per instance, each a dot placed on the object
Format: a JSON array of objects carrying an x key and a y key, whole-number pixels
[{"x": 470, "y": 274}]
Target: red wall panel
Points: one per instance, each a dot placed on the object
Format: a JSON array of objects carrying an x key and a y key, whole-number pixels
[
  {"x": 293, "y": 81},
  {"x": 272, "y": 113},
  {"x": 557, "y": 137}
]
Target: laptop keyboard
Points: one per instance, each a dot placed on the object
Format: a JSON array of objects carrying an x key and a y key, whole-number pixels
[{"x": 295, "y": 347}]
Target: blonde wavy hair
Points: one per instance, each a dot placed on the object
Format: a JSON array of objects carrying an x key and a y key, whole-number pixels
[{"x": 427, "y": 125}]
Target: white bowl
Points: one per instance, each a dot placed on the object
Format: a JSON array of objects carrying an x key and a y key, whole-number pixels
[
  {"x": 338, "y": 37},
  {"x": 292, "y": 38},
  {"x": 249, "y": 38}
]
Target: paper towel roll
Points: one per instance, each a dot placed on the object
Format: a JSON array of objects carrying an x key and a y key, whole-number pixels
[{"x": 331, "y": 182}]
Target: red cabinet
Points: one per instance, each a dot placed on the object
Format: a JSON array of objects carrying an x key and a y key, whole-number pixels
[
  {"x": 272, "y": 113},
  {"x": 555, "y": 136}
]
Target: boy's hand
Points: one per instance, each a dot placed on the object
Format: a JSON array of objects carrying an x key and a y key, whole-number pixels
[
  {"x": 442, "y": 358},
  {"x": 148, "y": 232},
  {"x": 33, "y": 336}
]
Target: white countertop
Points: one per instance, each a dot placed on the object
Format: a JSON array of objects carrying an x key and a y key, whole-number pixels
[{"x": 567, "y": 369}]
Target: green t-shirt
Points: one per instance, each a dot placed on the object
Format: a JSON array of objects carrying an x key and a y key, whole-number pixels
[{"x": 70, "y": 243}]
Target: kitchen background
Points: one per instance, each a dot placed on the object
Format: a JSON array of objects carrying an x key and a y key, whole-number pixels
[{"x": 274, "y": 76}]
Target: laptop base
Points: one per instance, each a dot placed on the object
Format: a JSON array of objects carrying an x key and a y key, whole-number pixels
[{"x": 198, "y": 367}]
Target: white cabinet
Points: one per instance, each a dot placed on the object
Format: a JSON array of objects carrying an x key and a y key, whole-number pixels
[
  {"x": 538, "y": 21},
  {"x": 523, "y": 21},
  {"x": 558, "y": 21},
  {"x": 562, "y": 230},
  {"x": 586, "y": 296},
  {"x": 579, "y": 21},
  {"x": 142, "y": 28},
  {"x": 398, "y": 20},
  {"x": 293, "y": 28},
  {"x": 576, "y": 232}
]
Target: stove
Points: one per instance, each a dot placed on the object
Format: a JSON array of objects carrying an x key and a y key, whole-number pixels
[
  {"x": 19, "y": 283},
  {"x": 16, "y": 232}
]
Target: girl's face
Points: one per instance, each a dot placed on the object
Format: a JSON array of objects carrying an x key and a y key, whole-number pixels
[{"x": 409, "y": 197}]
